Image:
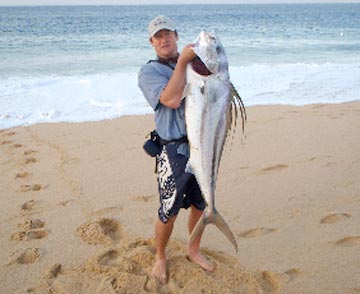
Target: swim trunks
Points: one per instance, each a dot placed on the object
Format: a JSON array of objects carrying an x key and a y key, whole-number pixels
[{"x": 177, "y": 188}]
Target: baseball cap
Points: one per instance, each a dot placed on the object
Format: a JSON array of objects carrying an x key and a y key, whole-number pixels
[{"x": 160, "y": 23}]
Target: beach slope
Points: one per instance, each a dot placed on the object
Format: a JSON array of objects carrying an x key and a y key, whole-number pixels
[{"x": 79, "y": 203}]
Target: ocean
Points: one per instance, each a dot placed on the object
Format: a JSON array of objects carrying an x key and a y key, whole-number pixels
[{"x": 80, "y": 63}]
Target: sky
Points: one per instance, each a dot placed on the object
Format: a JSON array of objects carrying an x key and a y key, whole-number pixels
[{"x": 147, "y": 2}]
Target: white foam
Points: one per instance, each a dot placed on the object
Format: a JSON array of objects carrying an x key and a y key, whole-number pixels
[
  {"x": 29, "y": 100},
  {"x": 297, "y": 84}
]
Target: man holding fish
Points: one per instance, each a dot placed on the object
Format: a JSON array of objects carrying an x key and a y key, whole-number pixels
[{"x": 162, "y": 82}]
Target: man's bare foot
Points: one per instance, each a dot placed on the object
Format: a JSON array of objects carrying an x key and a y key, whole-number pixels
[
  {"x": 159, "y": 271},
  {"x": 201, "y": 261}
]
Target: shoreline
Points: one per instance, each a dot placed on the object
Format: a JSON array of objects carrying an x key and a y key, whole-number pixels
[
  {"x": 84, "y": 196},
  {"x": 151, "y": 114}
]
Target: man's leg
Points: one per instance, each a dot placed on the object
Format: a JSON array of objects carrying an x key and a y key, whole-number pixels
[
  {"x": 162, "y": 235},
  {"x": 194, "y": 247}
]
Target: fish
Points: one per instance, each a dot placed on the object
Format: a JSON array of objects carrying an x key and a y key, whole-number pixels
[{"x": 212, "y": 107}]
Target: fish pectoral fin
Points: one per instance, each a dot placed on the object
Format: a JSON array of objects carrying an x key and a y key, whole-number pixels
[
  {"x": 186, "y": 91},
  {"x": 216, "y": 219},
  {"x": 189, "y": 169}
]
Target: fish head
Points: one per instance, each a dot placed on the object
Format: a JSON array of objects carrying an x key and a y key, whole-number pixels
[{"x": 211, "y": 52}]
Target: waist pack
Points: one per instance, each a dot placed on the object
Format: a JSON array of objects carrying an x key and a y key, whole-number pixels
[{"x": 153, "y": 146}]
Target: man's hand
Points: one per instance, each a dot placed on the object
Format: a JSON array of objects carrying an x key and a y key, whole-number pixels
[{"x": 187, "y": 54}]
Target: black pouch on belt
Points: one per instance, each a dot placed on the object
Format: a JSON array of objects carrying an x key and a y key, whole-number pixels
[{"x": 152, "y": 146}]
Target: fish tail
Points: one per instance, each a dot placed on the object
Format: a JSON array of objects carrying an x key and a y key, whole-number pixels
[
  {"x": 223, "y": 227},
  {"x": 213, "y": 218}
]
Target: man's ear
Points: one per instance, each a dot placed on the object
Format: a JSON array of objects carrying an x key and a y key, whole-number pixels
[
  {"x": 150, "y": 40},
  {"x": 176, "y": 35}
]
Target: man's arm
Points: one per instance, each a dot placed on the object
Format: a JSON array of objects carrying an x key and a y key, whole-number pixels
[{"x": 172, "y": 94}]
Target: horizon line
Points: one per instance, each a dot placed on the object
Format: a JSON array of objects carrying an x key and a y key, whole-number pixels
[{"x": 172, "y": 4}]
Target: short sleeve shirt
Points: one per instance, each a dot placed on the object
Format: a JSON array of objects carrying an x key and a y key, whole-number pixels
[{"x": 152, "y": 79}]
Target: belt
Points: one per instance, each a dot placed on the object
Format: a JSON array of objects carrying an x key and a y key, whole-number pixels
[{"x": 183, "y": 139}]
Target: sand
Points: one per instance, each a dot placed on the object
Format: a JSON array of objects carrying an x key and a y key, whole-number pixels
[{"x": 79, "y": 203}]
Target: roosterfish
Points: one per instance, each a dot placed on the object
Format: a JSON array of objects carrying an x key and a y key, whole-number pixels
[{"x": 212, "y": 106}]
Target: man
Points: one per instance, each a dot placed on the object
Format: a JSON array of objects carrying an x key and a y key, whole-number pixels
[{"x": 162, "y": 82}]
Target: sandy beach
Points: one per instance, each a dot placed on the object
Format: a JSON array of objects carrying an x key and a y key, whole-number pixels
[{"x": 79, "y": 203}]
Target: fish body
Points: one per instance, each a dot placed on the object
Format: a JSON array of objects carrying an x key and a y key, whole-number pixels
[{"x": 209, "y": 115}]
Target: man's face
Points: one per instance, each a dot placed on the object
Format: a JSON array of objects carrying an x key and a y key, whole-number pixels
[{"x": 164, "y": 43}]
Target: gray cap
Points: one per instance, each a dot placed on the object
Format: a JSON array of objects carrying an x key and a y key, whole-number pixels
[{"x": 160, "y": 23}]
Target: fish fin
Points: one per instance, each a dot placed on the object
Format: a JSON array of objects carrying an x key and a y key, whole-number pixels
[
  {"x": 235, "y": 107},
  {"x": 224, "y": 227},
  {"x": 186, "y": 90},
  {"x": 238, "y": 104},
  {"x": 216, "y": 219},
  {"x": 188, "y": 168}
]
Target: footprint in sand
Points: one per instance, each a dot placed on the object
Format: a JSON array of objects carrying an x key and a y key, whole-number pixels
[
  {"x": 66, "y": 202},
  {"x": 270, "y": 283},
  {"x": 29, "y": 235},
  {"x": 292, "y": 274},
  {"x": 334, "y": 218},
  {"x": 30, "y": 160},
  {"x": 10, "y": 134},
  {"x": 127, "y": 269},
  {"x": 6, "y": 142},
  {"x": 29, "y": 255},
  {"x": 31, "y": 229},
  {"x": 291, "y": 111},
  {"x": 104, "y": 231},
  {"x": 28, "y": 205},
  {"x": 107, "y": 210},
  {"x": 29, "y": 152},
  {"x": 257, "y": 232},
  {"x": 54, "y": 271},
  {"x": 28, "y": 188},
  {"x": 330, "y": 164},
  {"x": 271, "y": 168},
  {"x": 110, "y": 258},
  {"x": 349, "y": 241},
  {"x": 15, "y": 146},
  {"x": 144, "y": 198},
  {"x": 127, "y": 257},
  {"x": 22, "y": 175},
  {"x": 31, "y": 224},
  {"x": 132, "y": 278}
]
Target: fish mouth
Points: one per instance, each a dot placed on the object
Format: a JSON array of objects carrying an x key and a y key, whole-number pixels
[{"x": 199, "y": 67}]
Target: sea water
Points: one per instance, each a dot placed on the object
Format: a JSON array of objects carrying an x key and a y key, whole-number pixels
[{"x": 80, "y": 63}]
